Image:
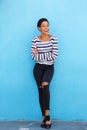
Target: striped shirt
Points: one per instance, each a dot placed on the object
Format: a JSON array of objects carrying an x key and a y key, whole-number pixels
[{"x": 48, "y": 50}]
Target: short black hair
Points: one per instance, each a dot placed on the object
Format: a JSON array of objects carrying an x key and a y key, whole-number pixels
[{"x": 40, "y": 21}]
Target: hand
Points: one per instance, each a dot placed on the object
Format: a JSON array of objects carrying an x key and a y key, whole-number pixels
[{"x": 35, "y": 51}]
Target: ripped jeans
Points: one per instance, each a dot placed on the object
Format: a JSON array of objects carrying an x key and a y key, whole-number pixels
[{"x": 43, "y": 75}]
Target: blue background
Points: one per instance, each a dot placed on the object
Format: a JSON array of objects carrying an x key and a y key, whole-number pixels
[{"x": 18, "y": 91}]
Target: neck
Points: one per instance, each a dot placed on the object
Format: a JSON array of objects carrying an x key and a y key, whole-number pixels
[{"x": 45, "y": 37}]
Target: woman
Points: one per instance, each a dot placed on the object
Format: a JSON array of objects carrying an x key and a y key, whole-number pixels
[{"x": 44, "y": 51}]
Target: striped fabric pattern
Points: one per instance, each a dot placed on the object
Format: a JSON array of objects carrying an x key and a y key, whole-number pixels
[{"x": 48, "y": 51}]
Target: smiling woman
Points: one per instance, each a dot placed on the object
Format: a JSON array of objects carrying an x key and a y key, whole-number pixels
[
  {"x": 68, "y": 89},
  {"x": 44, "y": 51},
  {"x": 43, "y": 26}
]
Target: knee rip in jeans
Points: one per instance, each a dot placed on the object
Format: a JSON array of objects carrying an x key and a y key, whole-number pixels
[{"x": 44, "y": 84}]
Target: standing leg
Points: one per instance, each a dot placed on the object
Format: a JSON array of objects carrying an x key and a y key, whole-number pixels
[{"x": 41, "y": 100}]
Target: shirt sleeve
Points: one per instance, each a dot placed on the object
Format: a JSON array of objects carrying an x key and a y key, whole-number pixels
[
  {"x": 34, "y": 56},
  {"x": 54, "y": 53},
  {"x": 55, "y": 49},
  {"x": 37, "y": 57}
]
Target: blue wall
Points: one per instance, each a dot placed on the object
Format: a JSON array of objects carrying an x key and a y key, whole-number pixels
[{"x": 18, "y": 92}]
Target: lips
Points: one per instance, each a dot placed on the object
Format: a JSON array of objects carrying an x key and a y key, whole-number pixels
[{"x": 46, "y": 31}]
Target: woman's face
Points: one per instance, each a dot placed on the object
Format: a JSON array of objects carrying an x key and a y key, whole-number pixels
[{"x": 44, "y": 28}]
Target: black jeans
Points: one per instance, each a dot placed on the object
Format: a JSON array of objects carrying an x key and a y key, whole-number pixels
[{"x": 43, "y": 73}]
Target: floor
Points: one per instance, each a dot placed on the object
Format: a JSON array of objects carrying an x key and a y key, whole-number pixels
[{"x": 56, "y": 125}]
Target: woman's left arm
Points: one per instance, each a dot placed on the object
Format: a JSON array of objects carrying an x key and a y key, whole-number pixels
[{"x": 54, "y": 52}]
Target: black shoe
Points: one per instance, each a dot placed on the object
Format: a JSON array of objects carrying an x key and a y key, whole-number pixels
[
  {"x": 44, "y": 125},
  {"x": 47, "y": 126}
]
